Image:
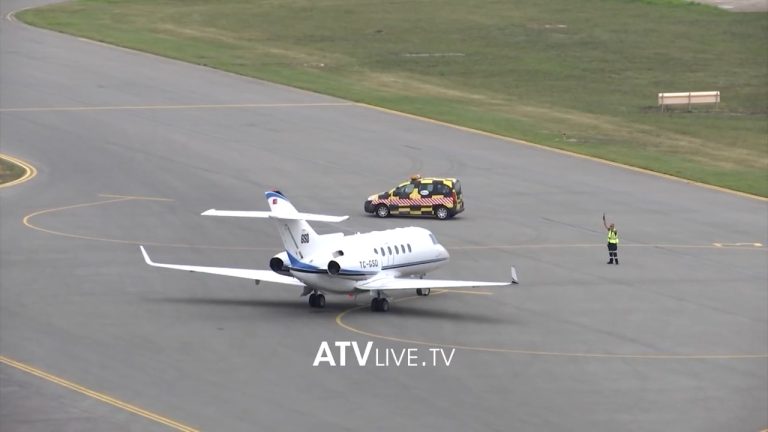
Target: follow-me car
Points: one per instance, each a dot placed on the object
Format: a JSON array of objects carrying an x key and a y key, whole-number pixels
[
  {"x": 373, "y": 262},
  {"x": 430, "y": 196}
]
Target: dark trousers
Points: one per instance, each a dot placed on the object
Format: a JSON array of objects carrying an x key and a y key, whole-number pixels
[{"x": 613, "y": 250}]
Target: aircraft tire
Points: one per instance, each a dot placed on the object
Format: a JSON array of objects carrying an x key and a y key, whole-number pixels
[
  {"x": 383, "y": 305},
  {"x": 320, "y": 301},
  {"x": 312, "y": 300},
  {"x": 375, "y": 304}
]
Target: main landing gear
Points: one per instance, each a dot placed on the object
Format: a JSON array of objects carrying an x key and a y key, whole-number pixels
[
  {"x": 317, "y": 300},
  {"x": 380, "y": 304},
  {"x": 422, "y": 292}
]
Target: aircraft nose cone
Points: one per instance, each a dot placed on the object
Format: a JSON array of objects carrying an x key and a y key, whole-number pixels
[{"x": 443, "y": 252}]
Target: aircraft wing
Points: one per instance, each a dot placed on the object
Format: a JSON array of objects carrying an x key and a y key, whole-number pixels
[
  {"x": 392, "y": 283},
  {"x": 257, "y": 275}
]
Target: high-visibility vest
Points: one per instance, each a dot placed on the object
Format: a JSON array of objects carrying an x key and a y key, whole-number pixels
[{"x": 613, "y": 236}]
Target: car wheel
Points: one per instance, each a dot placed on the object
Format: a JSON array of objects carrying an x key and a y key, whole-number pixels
[
  {"x": 382, "y": 211},
  {"x": 441, "y": 212}
]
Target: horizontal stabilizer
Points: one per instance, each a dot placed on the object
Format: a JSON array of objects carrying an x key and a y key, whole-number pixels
[{"x": 274, "y": 215}]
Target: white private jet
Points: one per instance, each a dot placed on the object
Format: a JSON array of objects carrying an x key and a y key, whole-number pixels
[{"x": 374, "y": 262}]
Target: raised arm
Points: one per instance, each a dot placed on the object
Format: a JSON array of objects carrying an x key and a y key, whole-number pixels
[{"x": 605, "y": 224}]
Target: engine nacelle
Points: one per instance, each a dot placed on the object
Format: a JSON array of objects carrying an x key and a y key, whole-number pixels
[
  {"x": 277, "y": 264},
  {"x": 356, "y": 267}
]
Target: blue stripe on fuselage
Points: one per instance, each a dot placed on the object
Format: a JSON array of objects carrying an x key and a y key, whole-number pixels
[
  {"x": 412, "y": 263},
  {"x": 302, "y": 267}
]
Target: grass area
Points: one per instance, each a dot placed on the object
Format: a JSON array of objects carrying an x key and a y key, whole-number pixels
[
  {"x": 581, "y": 76},
  {"x": 9, "y": 171}
]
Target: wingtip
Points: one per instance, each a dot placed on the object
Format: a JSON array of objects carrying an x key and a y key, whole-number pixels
[
  {"x": 513, "y": 272},
  {"x": 146, "y": 255},
  {"x": 207, "y": 212}
]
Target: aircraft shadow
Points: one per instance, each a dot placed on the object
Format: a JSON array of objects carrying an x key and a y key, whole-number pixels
[
  {"x": 299, "y": 305},
  {"x": 334, "y": 308}
]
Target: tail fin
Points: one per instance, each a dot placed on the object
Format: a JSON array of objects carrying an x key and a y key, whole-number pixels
[{"x": 299, "y": 239}]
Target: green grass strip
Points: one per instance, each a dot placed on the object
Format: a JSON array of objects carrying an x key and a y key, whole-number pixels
[{"x": 576, "y": 75}]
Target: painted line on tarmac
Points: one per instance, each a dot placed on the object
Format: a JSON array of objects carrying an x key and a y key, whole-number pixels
[
  {"x": 174, "y": 107},
  {"x": 115, "y": 198},
  {"x": 659, "y": 356},
  {"x": 29, "y": 171},
  {"x": 563, "y": 152},
  {"x": 96, "y": 395},
  {"x": 11, "y": 16},
  {"x": 27, "y": 221},
  {"x": 716, "y": 246},
  {"x": 142, "y": 198},
  {"x": 738, "y": 245}
]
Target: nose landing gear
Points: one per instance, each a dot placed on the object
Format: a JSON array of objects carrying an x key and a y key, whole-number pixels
[
  {"x": 380, "y": 304},
  {"x": 317, "y": 300}
]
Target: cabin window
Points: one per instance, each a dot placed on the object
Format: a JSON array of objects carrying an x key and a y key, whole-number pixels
[
  {"x": 409, "y": 247},
  {"x": 375, "y": 251},
  {"x": 389, "y": 249},
  {"x": 402, "y": 248},
  {"x": 382, "y": 251},
  {"x": 397, "y": 251}
]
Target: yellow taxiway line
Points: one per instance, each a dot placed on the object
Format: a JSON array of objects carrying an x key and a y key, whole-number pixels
[
  {"x": 29, "y": 171},
  {"x": 96, "y": 395},
  {"x": 173, "y": 107},
  {"x": 114, "y": 198},
  {"x": 650, "y": 356}
]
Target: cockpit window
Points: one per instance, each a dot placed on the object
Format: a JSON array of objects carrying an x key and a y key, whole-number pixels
[{"x": 432, "y": 236}]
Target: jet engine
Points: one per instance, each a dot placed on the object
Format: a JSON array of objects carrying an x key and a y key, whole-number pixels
[
  {"x": 356, "y": 267},
  {"x": 277, "y": 264}
]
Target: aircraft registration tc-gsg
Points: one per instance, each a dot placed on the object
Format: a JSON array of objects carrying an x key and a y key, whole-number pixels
[{"x": 373, "y": 262}]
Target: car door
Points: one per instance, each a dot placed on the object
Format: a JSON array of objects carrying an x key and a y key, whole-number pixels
[
  {"x": 403, "y": 200},
  {"x": 424, "y": 203}
]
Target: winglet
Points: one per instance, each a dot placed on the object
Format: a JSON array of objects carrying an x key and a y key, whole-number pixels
[
  {"x": 514, "y": 275},
  {"x": 146, "y": 256}
]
